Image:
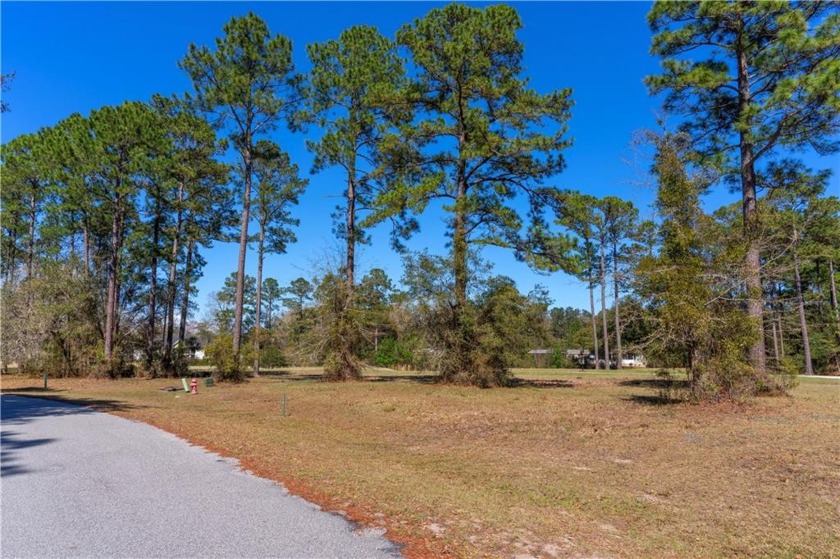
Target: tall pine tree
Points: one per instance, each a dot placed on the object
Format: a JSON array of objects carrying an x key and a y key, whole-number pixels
[
  {"x": 246, "y": 86},
  {"x": 481, "y": 138},
  {"x": 351, "y": 93},
  {"x": 751, "y": 78}
]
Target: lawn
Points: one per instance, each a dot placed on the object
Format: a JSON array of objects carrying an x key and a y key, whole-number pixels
[{"x": 567, "y": 464}]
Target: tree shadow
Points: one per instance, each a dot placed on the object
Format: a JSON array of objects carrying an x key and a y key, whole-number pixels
[
  {"x": 541, "y": 383},
  {"x": 288, "y": 375},
  {"x": 321, "y": 377},
  {"x": 417, "y": 379},
  {"x": 436, "y": 379},
  {"x": 661, "y": 399},
  {"x": 660, "y": 383},
  {"x": 19, "y": 408},
  {"x": 421, "y": 378},
  {"x": 669, "y": 391},
  {"x": 10, "y": 446}
]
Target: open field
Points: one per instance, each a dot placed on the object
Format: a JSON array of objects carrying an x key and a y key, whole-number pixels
[{"x": 568, "y": 464}]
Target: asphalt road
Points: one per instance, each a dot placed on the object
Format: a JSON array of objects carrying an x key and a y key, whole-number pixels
[{"x": 79, "y": 483}]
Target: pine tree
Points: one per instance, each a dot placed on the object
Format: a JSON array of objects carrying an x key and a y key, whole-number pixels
[
  {"x": 481, "y": 138},
  {"x": 246, "y": 86},
  {"x": 351, "y": 92},
  {"x": 126, "y": 139},
  {"x": 768, "y": 80},
  {"x": 803, "y": 229},
  {"x": 197, "y": 191},
  {"x": 278, "y": 187}
]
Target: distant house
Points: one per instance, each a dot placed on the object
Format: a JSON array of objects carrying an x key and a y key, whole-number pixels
[
  {"x": 192, "y": 349},
  {"x": 582, "y": 357}
]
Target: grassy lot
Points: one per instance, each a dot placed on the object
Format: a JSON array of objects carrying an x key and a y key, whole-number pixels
[{"x": 568, "y": 464}]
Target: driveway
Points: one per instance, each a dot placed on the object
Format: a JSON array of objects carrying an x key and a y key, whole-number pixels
[{"x": 80, "y": 483}]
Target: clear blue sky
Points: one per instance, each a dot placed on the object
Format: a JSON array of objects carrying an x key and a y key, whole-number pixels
[{"x": 76, "y": 57}]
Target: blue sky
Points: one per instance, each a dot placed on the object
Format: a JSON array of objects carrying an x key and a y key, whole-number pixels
[{"x": 78, "y": 56}]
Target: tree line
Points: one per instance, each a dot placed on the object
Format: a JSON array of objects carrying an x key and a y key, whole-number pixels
[{"x": 105, "y": 216}]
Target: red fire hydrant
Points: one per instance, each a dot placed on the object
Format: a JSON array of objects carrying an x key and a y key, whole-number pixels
[{"x": 194, "y": 386}]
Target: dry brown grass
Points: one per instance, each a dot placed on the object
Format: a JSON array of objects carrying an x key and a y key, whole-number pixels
[{"x": 572, "y": 465}]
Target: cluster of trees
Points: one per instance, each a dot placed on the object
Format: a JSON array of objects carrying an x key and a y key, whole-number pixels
[{"x": 113, "y": 209}]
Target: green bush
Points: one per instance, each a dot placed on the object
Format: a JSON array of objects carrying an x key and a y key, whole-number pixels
[
  {"x": 220, "y": 354},
  {"x": 272, "y": 356},
  {"x": 392, "y": 353}
]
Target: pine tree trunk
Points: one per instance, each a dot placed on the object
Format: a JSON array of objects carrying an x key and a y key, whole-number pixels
[
  {"x": 347, "y": 368},
  {"x": 86, "y": 247},
  {"x": 260, "y": 260},
  {"x": 171, "y": 287},
  {"x": 750, "y": 213},
  {"x": 30, "y": 258},
  {"x": 781, "y": 337},
  {"x": 150, "y": 334},
  {"x": 803, "y": 325},
  {"x": 617, "y": 318},
  {"x": 73, "y": 246},
  {"x": 165, "y": 327},
  {"x": 11, "y": 261},
  {"x": 594, "y": 324},
  {"x": 243, "y": 248},
  {"x": 169, "y": 324},
  {"x": 117, "y": 291},
  {"x": 459, "y": 254},
  {"x": 780, "y": 310},
  {"x": 834, "y": 306},
  {"x": 461, "y": 367},
  {"x": 185, "y": 296},
  {"x": 605, "y": 332},
  {"x": 113, "y": 271},
  {"x": 350, "y": 265}
]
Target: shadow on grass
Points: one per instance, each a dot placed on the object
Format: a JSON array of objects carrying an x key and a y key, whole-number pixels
[
  {"x": 660, "y": 383},
  {"x": 425, "y": 379},
  {"x": 104, "y": 405},
  {"x": 321, "y": 377},
  {"x": 541, "y": 383},
  {"x": 654, "y": 400},
  {"x": 435, "y": 379},
  {"x": 286, "y": 375},
  {"x": 34, "y": 390},
  {"x": 670, "y": 391},
  {"x": 418, "y": 379}
]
